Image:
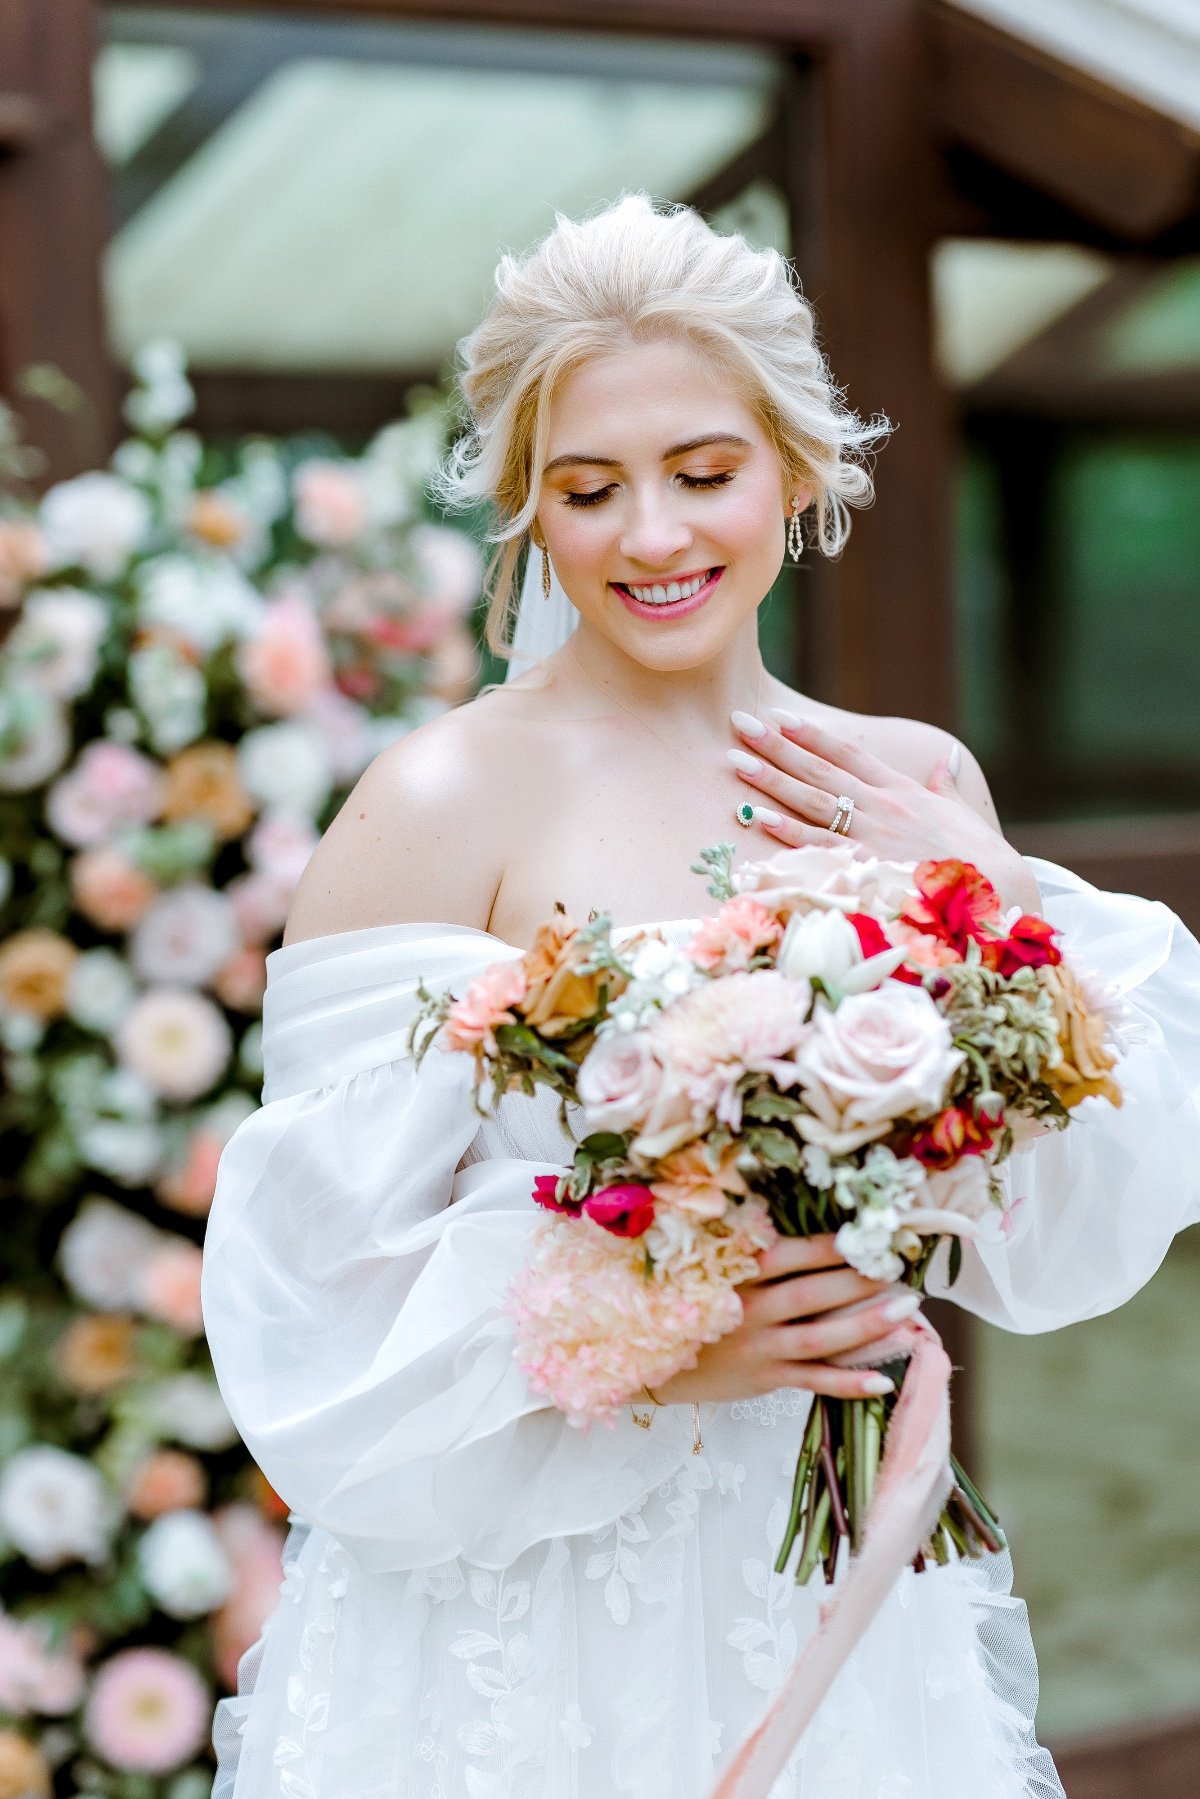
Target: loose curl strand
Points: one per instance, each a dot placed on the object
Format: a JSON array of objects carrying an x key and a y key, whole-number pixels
[{"x": 635, "y": 272}]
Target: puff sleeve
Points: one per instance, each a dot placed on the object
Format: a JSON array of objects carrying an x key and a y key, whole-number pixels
[
  {"x": 1097, "y": 1205},
  {"x": 355, "y": 1276}
]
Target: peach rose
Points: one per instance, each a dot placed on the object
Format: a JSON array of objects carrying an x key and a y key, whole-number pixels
[
  {"x": 24, "y": 556},
  {"x": 241, "y": 983},
  {"x": 189, "y": 1186},
  {"x": 557, "y": 998},
  {"x": 215, "y": 520},
  {"x": 285, "y": 664},
  {"x": 203, "y": 782},
  {"x": 169, "y": 1480},
  {"x": 689, "y": 1184},
  {"x": 23, "y": 1770},
  {"x": 1087, "y": 1063},
  {"x": 35, "y": 967},
  {"x": 109, "y": 889},
  {"x": 331, "y": 503},
  {"x": 96, "y": 1354}
]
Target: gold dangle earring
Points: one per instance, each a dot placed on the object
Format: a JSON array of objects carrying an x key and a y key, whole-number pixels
[
  {"x": 545, "y": 571},
  {"x": 795, "y": 540}
]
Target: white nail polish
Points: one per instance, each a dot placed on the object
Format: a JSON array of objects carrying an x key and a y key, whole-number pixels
[
  {"x": 763, "y": 815},
  {"x": 787, "y": 721},
  {"x": 878, "y": 1383},
  {"x": 747, "y": 724},
  {"x": 748, "y": 765},
  {"x": 904, "y": 1307},
  {"x": 954, "y": 761}
]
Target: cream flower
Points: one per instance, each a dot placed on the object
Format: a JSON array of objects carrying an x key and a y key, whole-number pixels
[
  {"x": 185, "y": 937},
  {"x": 619, "y": 1080},
  {"x": 102, "y": 1252},
  {"x": 822, "y": 943},
  {"x": 879, "y": 1057},
  {"x": 57, "y": 640},
  {"x": 55, "y": 1507},
  {"x": 176, "y": 1040},
  {"x": 183, "y": 1565},
  {"x": 96, "y": 522},
  {"x": 797, "y": 880}
]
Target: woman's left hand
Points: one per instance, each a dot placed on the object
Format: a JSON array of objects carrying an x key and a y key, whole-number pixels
[{"x": 802, "y": 771}]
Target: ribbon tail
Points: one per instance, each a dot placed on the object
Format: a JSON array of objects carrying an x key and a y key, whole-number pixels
[{"x": 914, "y": 1481}]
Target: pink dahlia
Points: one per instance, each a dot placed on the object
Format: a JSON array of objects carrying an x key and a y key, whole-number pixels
[
  {"x": 472, "y": 1020},
  {"x": 739, "y": 931},
  {"x": 148, "y": 1711}
]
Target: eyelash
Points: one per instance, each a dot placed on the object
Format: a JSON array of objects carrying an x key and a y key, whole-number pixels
[{"x": 602, "y": 493}]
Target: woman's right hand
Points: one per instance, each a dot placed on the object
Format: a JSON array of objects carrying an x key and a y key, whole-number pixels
[{"x": 794, "y": 1319}]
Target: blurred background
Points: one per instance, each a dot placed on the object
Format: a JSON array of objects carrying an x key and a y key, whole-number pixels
[{"x": 271, "y": 225}]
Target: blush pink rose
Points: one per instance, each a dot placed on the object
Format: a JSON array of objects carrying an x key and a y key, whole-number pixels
[
  {"x": 148, "y": 1711},
  {"x": 260, "y": 904},
  {"x": 285, "y": 664},
  {"x": 34, "y": 1677},
  {"x": 619, "y": 1081},
  {"x": 110, "y": 785},
  {"x": 110, "y": 891},
  {"x": 879, "y": 1057},
  {"x": 189, "y": 1187},
  {"x": 472, "y": 1020},
  {"x": 169, "y": 1286},
  {"x": 331, "y": 504}
]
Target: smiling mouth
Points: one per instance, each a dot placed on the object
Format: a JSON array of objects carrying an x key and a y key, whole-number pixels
[{"x": 667, "y": 593}]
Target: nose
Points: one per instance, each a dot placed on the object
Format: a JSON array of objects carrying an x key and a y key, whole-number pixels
[{"x": 654, "y": 533}]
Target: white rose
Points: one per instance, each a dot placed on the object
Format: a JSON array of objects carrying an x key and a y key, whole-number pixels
[
  {"x": 43, "y": 740},
  {"x": 878, "y": 1057},
  {"x": 100, "y": 990},
  {"x": 55, "y": 1507},
  {"x": 188, "y": 1408},
  {"x": 837, "y": 877},
  {"x": 186, "y": 936},
  {"x": 619, "y": 1081},
  {"x": 57, "y": 640},
  {"x": 170, "y": 694},
  {"x": 822, "y": 943},
  {"x": 176, "y": 1041},
  {"x": 183, "y": 1564},
  {"x": 965, "y": 1189},
  {"x": 286, "y": 767},
  {"x": 95, "y": 522},
  {"x": 207, "y": 604},
  {"x": 102, "y": 1253},
  {"x": 128, "y": 1150}
]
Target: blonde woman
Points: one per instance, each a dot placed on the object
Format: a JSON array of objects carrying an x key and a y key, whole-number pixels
[{"x": 482, "y": 1602}]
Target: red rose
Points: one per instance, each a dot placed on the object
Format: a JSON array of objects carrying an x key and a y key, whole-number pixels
[
  {"x": 953, "y": 1134},
  {"x": 1030, "y": 944},
  {"x": 545, "y": 1193},
  {"x": 955, "y": 903},
  {"x": 626, "y": 1210},
  {"x": 872, "y": 941}
]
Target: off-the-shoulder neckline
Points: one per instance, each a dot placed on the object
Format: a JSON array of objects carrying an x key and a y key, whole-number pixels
[{"x": 366, "y": 936}]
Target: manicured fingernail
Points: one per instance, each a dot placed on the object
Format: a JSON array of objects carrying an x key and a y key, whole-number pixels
[
  {"x": 953, "y": 760},
  {"x": 904, "y": 1307},
  {"x": 747, "y": 724},
  {"x": 763, "y": 815},
  {"x": 787, "y": 721},
  {"x": 749, "y": 765},
  {"x": 878, "y": 1383}
]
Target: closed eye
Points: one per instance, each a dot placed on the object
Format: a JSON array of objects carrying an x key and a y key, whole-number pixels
[{"x": 691, "y": 481}]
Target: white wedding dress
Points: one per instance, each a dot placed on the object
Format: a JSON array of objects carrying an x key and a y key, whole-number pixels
[{"x": 481, "y": 1602}]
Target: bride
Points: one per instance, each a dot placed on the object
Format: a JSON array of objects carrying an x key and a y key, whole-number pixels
[{"x": 481, "y": 1602}]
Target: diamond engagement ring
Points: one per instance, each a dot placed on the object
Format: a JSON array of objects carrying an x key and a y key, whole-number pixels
[{"x": 844, "y": 816}]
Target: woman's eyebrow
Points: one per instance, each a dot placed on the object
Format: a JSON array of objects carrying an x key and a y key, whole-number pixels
[{"x": 693, "y": 443}]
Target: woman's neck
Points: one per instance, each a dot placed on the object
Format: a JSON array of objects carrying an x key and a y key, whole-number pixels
[{"x": 687, "y": 702}]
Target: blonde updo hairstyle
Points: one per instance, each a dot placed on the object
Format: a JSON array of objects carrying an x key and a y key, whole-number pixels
[{"x": 632, "y": 273}]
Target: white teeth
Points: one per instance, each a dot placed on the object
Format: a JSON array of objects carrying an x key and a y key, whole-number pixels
[{"x": 659, "y": 595}]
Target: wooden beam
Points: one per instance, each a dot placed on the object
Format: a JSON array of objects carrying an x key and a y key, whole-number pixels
[
  {"x": 1156, "y": 1759},
  {"x": 775, "y": 21},
  {"x": 1104, "y": 154},
  {"x": 53, "y": 208},
  {"x": 1158, "y": 857}
]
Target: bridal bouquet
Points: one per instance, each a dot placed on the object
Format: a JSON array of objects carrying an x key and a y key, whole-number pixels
[{"x": 849, "y": 1046}]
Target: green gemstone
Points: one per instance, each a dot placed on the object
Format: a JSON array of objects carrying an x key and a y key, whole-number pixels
[{"x": 745, "y": 813}]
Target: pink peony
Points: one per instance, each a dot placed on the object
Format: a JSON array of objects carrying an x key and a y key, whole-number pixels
[
  {"x": 627, "y": 1210},
  {"x": 169, "y": 1286},
  {"x": 739, "y": 931},
  {"x": 110, "y": 785},
  {"x": 285, "y": 664},
  {"x": 148, "y": 1711},
  {"x": 109, "y": 889},
  {"x": 255, "y": 1550},
  {"x": 331, "y": 503},
  {"x": 169, "y": 1480},
  {"x": 176, "y": 1040},
  {"x": 471, "y": 1020}
]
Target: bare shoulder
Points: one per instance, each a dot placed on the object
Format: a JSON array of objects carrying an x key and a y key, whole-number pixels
[{"x": 420, "y": 838}]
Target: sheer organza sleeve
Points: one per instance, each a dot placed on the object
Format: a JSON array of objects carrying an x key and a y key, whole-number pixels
[
  {"x": 355, "y": 1274},
  {"x": 1098, "y": 1204}
]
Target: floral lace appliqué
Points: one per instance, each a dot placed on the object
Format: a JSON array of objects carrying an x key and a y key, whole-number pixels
[{"x": 769, "y": 1408}]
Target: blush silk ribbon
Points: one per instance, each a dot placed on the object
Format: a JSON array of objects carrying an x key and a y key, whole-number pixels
[{"x": 913, "y": 1484}]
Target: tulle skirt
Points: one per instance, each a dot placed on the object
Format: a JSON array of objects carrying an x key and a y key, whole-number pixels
[{"x": 630, "y": 1660}]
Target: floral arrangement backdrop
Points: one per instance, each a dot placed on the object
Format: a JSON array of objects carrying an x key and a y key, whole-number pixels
[{"x": 204, "y": 652}]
